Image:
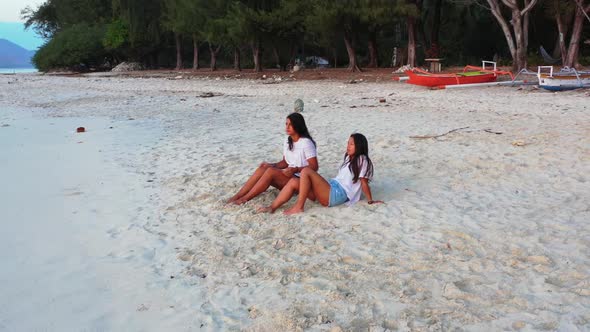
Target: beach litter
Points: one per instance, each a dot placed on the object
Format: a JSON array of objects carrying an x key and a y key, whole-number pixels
[{"x": 298, "y": 106}]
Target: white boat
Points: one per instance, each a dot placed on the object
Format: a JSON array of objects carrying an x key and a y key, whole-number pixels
[{"x": 565, "y": 79}]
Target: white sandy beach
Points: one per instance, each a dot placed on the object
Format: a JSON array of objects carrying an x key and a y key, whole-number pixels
[{"x": 123, "y": 227}]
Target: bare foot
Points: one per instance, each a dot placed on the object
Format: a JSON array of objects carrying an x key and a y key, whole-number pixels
[
  {"x": 293, "y": 210},
  {"x": 264, "y": 209},
  {"x": 240, "y": 201},
  {"x": 231, "y": 200}
]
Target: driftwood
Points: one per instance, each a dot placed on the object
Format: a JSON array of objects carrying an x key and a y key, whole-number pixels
[
  {"x": 441, "y": 135},
  {"x": 492, "y": 132}
]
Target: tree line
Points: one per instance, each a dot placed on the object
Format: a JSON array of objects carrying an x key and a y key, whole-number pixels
[{"x": 275, "y": 33}]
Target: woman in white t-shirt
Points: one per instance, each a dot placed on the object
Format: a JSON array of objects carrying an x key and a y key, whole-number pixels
[
  {"x": 353, "y": 177},
  {"x": 299, "y": 152}
]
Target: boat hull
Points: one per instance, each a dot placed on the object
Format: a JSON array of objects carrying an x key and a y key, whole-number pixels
[
  {"x": 564, "y": 82},
  {"x": 435, "y": 80}
]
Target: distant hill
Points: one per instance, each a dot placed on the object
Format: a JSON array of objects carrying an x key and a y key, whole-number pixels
[{"x": 14, "y": 56}]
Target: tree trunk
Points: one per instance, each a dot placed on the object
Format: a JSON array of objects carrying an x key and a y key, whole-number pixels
[
  {"x": 292, "y": 55},
  {"x": 214, "y": 52},
  {"x": 574, "y": 46},
  {"x": 520, "y": 61},
  {"x": 525, "y": 27},
  {"x": 177, "y": 40},
  {"x": 497, "y": 12},
  {"x": 562, "y": 33},
  {"x": 411, "y": 41},
  {"x": 373, "y": 54},
  {"x": 335, "y": 55},
  {"x": 352, "y": 63},
  {"x": 195, "y": 53},
  {"x": 275, "y": 53},
  {"x": 237, "y": 59},
  {"x": 434, "y": 33},
  {"x": 517, "y": 43},
  {"x": 560, "y": 48},
  {"x": 256, "y": 56},
  {"x": 282, "y": 65}
]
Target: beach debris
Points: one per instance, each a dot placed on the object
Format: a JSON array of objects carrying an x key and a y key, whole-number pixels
[
  {"x": 543, "y": 260},
  {"x": 128, "y": 66},
  {"x": 275, "y": 80},
  {"x": 253, "y": 312},
  {"x": 382, "y": 100},
  {"x": 298, "y": 106},
  {"x": 210, "y": 94},
  {"x": 402, "y": 69},
  {"x": 285, "y": 280},
  {"x": 143, "y": 307},
  {"x": 518, "y": 325},
  {"x": 80, "y": 130},
  {"x": 519, "y": 142},
  {"x": 279, "y": 244},
  {"x": 441, "y": 135}
]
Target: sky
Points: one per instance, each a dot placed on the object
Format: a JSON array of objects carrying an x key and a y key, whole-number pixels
[{"x": 11, "y": 24}]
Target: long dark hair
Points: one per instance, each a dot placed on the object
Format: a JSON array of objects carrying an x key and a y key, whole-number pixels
[
  {"x": 355, "y": 164},
  {"x": 298, "y": 124}
]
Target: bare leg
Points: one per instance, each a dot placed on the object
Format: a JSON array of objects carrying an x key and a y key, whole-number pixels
[
  {"x": 285, "y": 195},
  {"x": 249, "y": 184},
  {"x": 290, "y": 189},
  {"x": 272, "y": 176},
  {"x": 311, "y": 182}
]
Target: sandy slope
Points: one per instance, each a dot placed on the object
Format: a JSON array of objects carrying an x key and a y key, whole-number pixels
[{"x": 481, "y": 231}]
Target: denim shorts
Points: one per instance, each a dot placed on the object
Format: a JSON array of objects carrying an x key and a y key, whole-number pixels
[{"x": 337, "y": 193}]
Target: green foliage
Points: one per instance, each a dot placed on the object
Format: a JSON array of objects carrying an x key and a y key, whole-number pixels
[
  {"x": 74, "y": 46},
  {"x": 143, "y": 18},
  {"x": 43, "y": 19},
  {"x": 143, "y": 30},
  {"x": 116, "y": 35},
  {"x": 53, "y": 15}
]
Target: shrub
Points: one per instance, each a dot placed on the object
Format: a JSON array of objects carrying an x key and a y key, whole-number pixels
[{"x": 77, "y": 46}]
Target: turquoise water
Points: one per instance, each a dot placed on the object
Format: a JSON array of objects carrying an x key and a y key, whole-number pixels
[{"x": 17, "y": 70}]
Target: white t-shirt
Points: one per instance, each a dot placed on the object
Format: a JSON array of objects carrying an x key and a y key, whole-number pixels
[
  {"x": 345, "y": 176},
  {"x": 303, "y": 149}
]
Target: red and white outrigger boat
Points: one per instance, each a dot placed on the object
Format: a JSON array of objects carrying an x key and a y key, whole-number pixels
[{"x": 471, "y": 76}]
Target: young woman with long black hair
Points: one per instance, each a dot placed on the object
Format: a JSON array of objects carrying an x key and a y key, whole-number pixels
[
  {"x": 299, "y": 153},
  {"x": 353, "y": 177}
]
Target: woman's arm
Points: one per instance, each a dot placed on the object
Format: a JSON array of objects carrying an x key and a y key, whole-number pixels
[
  {"x": 280, "y": 165},
  {"x": 367, "y": 191},
  {"x": 312, "y": 163}
]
